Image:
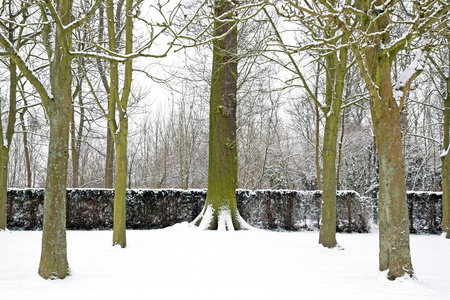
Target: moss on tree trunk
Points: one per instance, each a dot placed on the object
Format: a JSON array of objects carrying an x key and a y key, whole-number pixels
[
  {"x": 4, "y": 156},
  {"x": 375, "y": 68},
  {"x": 220, "y": 211},
  {"x": 119, "y": 131},
  {"x": 119, "y": 227},
  {"x": 327, "y": 235},
  {"x": 393, "y": 218},
  {"x": 336, "y": 64},
  {"x": 53, "y": 263},
  {"x": 392, "y": 206}
]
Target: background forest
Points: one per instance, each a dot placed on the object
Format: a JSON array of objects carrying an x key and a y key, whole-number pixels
[{"x": 280, "y": 128}]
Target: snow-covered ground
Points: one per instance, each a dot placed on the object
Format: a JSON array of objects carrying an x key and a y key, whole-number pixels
[{"x": 182, "y": 262}]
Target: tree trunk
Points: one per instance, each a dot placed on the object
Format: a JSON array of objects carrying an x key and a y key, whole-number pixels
[
  {"x": 336, "y": 69},
  {"x": 4, "y": 148},
  {"x": 74, "y": 152},
  {"x": 327, "y": 236},
  {"x": 109, "y": 162},
  {"x": 220, "y": 211},
  {"x": 119, "y": 227},
  {"x": 317, "y": 149},
  {"x": 120, "y": 132},
  {"x": 6, "y": 141},
  {"x": 25, "y": 147},
  {"x": 446, "y": 166},
  {"x": 375, "y": 68},
  {"x": 392, "y": 207},
  {"x": 341, "y": 142},
  {"x": 109, "y": 168},
  {"x": 53, "y": 263},
  {"x": 4, "y": 154}
]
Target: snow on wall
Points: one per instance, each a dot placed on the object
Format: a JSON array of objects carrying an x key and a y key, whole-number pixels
[{"x": 89, "y": 209}]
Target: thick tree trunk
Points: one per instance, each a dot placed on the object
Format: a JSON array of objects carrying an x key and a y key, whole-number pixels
[
  {"x": 392, "y": 207},
  {"x": 375, "y": 68},
  {"x": 220, "y": 211},
  {"x": 53, "y": 263}
]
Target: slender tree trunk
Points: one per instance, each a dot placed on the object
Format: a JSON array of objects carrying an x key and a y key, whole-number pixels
[
  {"x": 336, "y": 69},
  {"x": 317, "y": 133},
  {"x": 109, "y": 162},
  {"x": 73, "y": 142},
  {"x": 327, "y": 236},
  {"x": 120, "y": 131},
  {"x": 109, "y": 166},
  {"x": 446, "y": 166},
  {"x": 3, "y": 186},
  {"x": 4, "y": 148},
  {"x": 53, "y": 263},
  {"x": 341, "y": 142},
  {"x": 317, "y": 152},
  {"x": 6, "y": 140},
  {"x": 25, "y": 147},
  {"x": 119, "y": 227},
  {"x": 220, "y": 210}
]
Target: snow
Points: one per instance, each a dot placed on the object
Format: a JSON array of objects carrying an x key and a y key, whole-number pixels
[
  {"x": 407, "y": 74},
  {"x": 183, "y": 262},
  {"x": 444, "y": 152}
]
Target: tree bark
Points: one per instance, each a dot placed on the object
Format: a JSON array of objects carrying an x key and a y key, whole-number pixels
[
  {"x": 119, "y": 226},
  {"x": 327, "y": 235},
  {"x": 220, "y": 211},
  {"x": 7, "y": 139},
  {"x": 53, "y": 263},
  {"x": 109, "y": 162},
  {"x": 336, "y": 64},
  {"x": 446, "y": 165},
  {"x": 375, "y": 68},
  {"x": 25, "y": 147},
  {"x": 392, "y": 207},
  {"x": 119, "y": 131}
]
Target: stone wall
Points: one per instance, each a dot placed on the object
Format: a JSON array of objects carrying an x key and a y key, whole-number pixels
[{"x": 89, "y": 209}]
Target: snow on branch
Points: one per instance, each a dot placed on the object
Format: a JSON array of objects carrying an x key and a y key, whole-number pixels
[
  {"x": 444, "y": 152},
  {"x": 11, "y": 51},
  {"x": 408, "y": 75},
  {"x": 76, "y": 23}
]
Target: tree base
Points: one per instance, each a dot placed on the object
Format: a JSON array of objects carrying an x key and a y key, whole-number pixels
[
  {"x": 53, "y": 274},
  {"x": 222, "y": 219}
]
